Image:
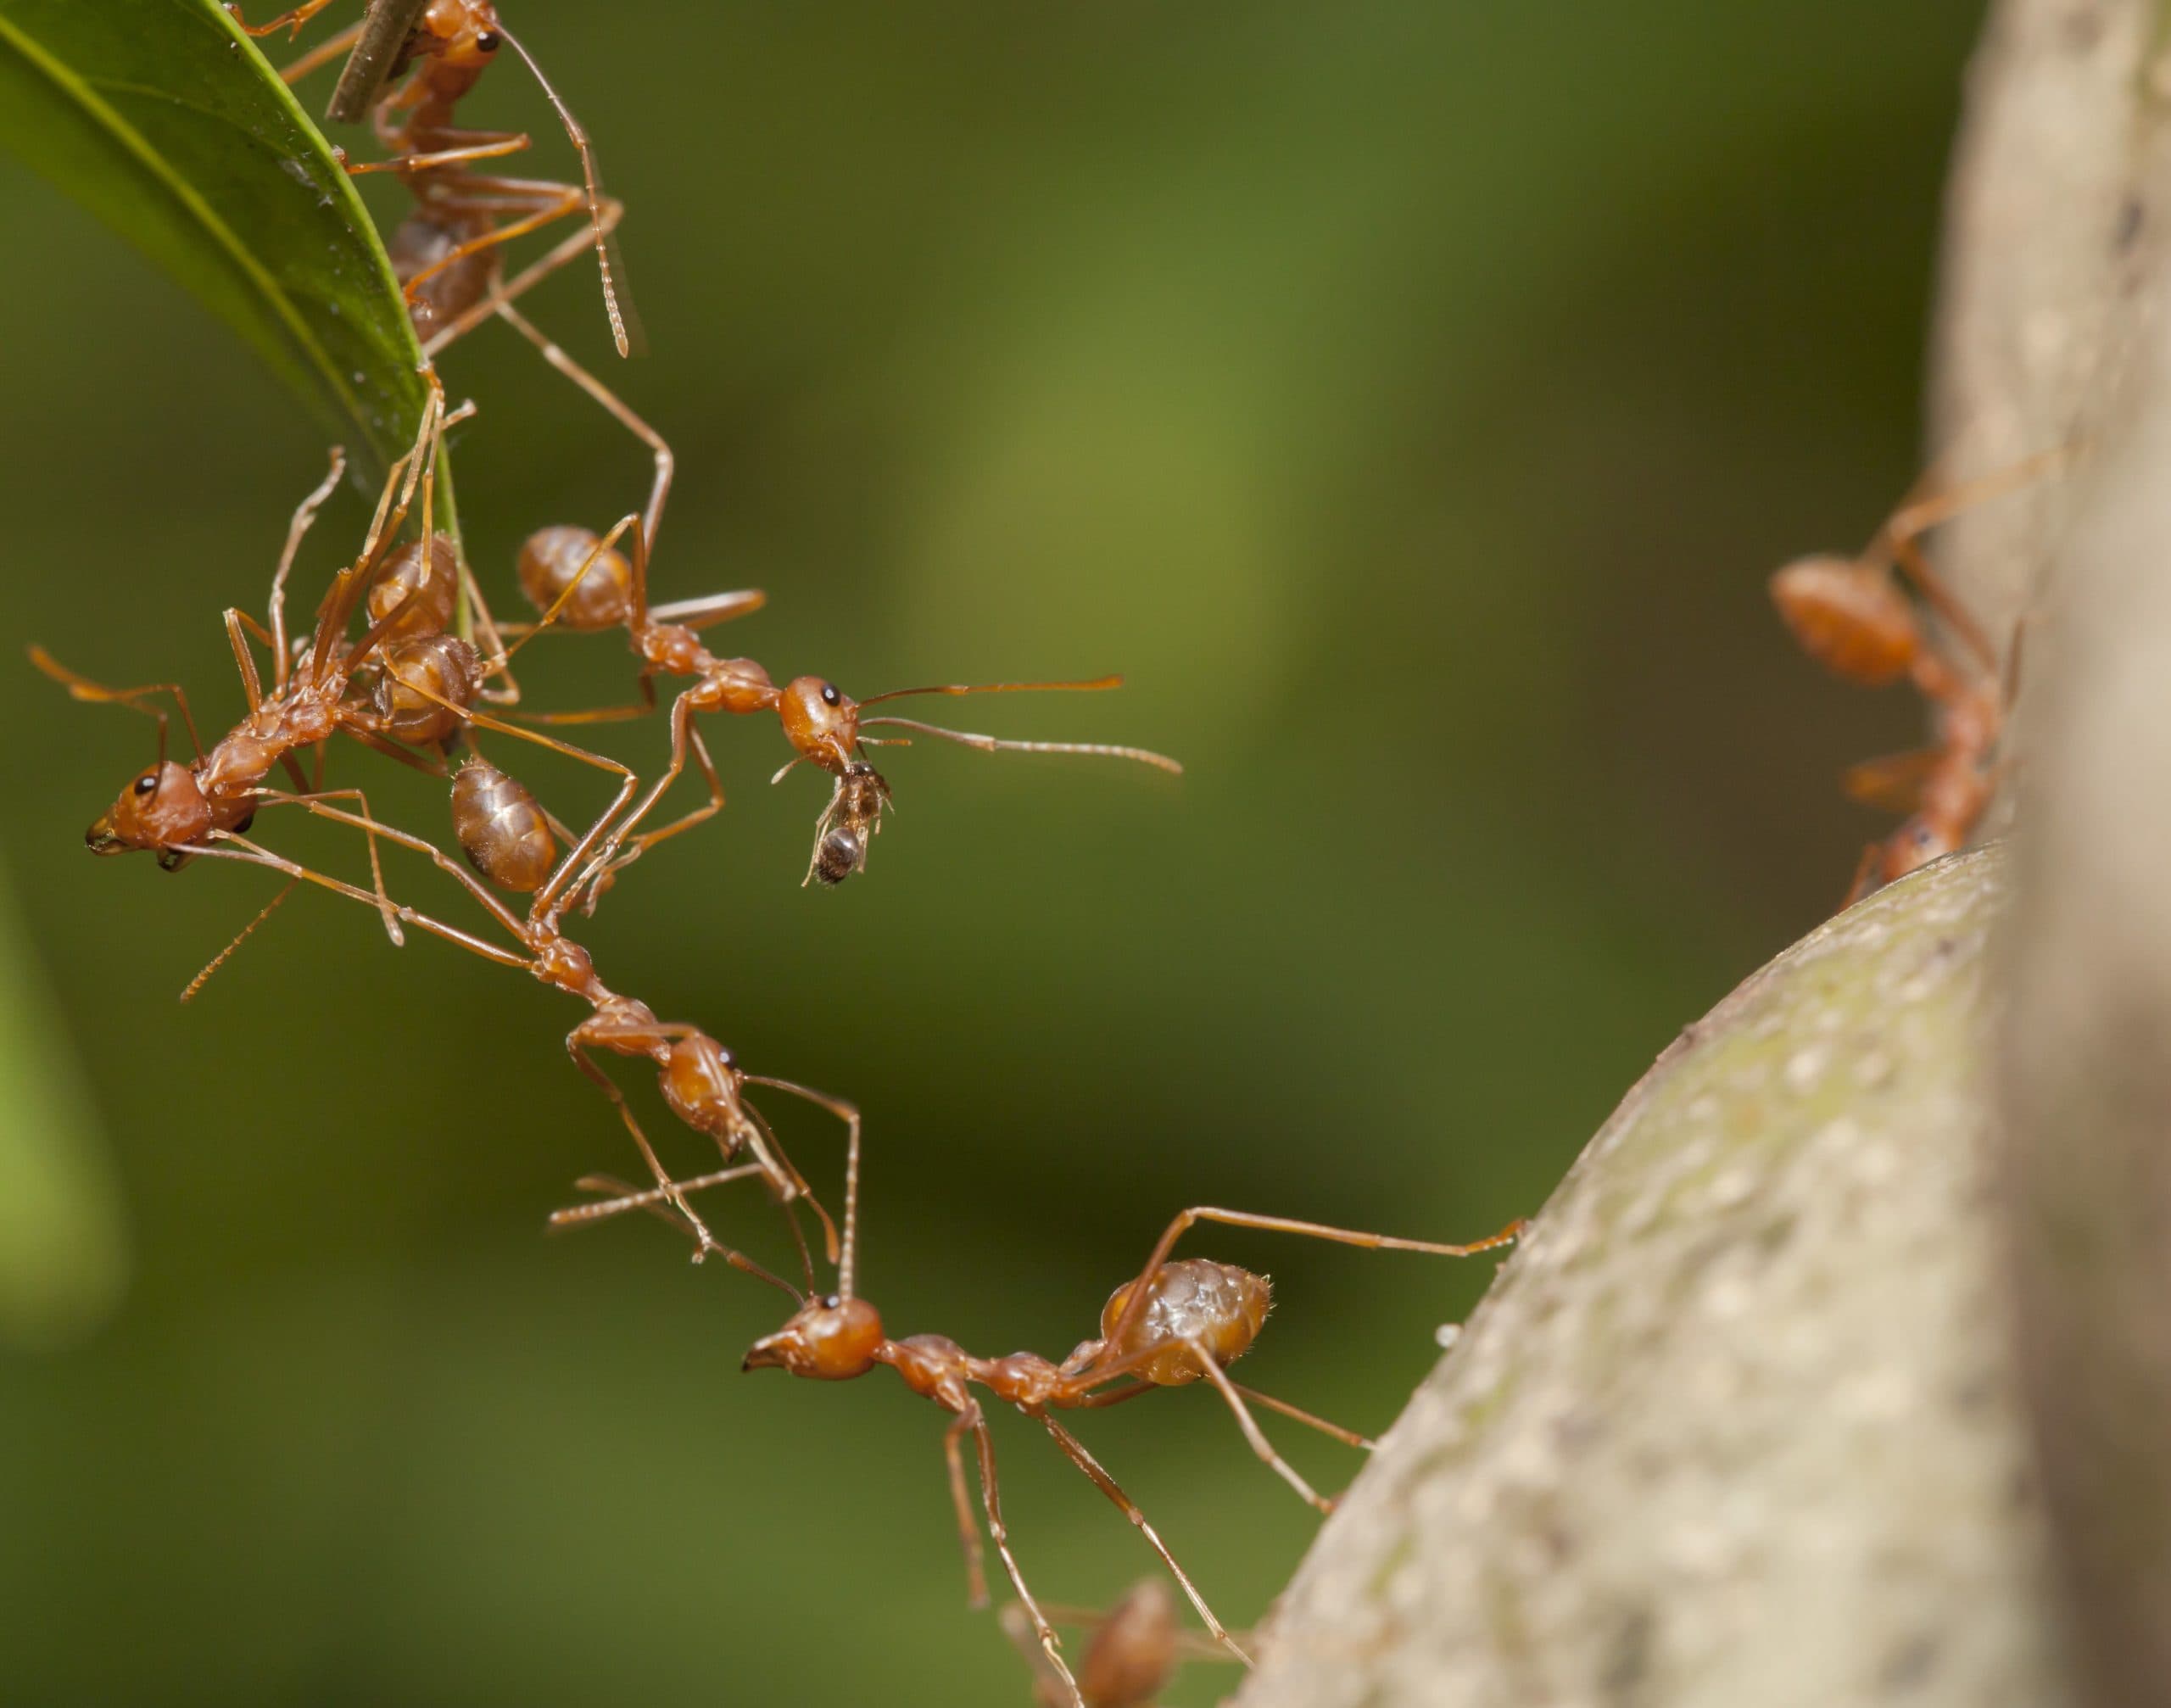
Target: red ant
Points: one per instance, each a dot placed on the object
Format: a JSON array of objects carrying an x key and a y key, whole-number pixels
[
  {"x": 1133, "y": 1652},
  {"x": 1851, "y": 616},
  {"x": 581, "y": 580},
  {"x": 447, "y": 254},
  {"x": 175, "y": 810},
  {"x": 452, "y": 44},
  {"x": 1179, "y": 1322},
  {"x": 698, "y": 1078}
]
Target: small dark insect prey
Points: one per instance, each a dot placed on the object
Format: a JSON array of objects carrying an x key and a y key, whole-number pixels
[
  {"x": 848, "y": 824},
  {"x": 1179, "y": 1321},
  {"x": 1851, "y": 616}
]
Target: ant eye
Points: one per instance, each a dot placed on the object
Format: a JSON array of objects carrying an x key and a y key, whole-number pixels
[
  {"x": 830, "y": 1302},
  {"x": 148, "y": 784},
  {"x": 487, "y": 41},
  {"x": 829, "y": 694}
]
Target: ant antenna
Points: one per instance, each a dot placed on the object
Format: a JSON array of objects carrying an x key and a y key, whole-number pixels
[
  {"x": 1095, "y": 686},
  {"x": 594, "y": 195},
  {"x": 219, "y": 959},
  {"x": 990, "y": 744}
]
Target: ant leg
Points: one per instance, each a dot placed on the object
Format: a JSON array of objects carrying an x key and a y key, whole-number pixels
[
  {"x": 706, "y": 1242},
  {"x": 188, "y": 991},
  {"x": 1915, "y": 565},
  {"x": 771, "y": 1154},
  {"x": 605, "y": 875},
  {"x": 548, "y": 901},
  {"x": 850, "y": 1115},
  {"x": 371, "y": 828},
  {"x": 429, "y": 766},
  {"x": 291, "y": 22},
  {"x": 305, "y": 514},
  {"x": 1348, "y": 1438},
  {"x": 256, "y": 854},
  {"x": 525, "y": 632},
  {"x": 1253, "y": 1433},
  {"x": 651, "y": 517},
  {"x": 511, "y": 923},
  {"x": 1107, "y": 1485},
  {"x": 969, "y": 1529},
  {"x": 551, "y": 201},
  {"x": 252, "y": 686},
  {"x": 1134, "y": 1308},
  {"x": 82, "y": 688},
  {"x": 567, "y": 250},
  {"x": 1865, "y": 875},
  {"x": 489, "y": 145},
  {"x": 332, "y": 48},
  {"x": 610, "y": 859},
  {"x": 625, "y": 1197},
  {"x": 1140, "y": 1387},
  {"x": 391, "y": 506},
  {"x": 992, "y": 1501},
  {"x": 1017, "y": 1626}
]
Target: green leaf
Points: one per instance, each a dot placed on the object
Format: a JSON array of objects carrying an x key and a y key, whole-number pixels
[{"x": 162, "y": 118}]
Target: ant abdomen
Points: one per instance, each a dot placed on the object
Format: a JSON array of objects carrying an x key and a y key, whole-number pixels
[
  {"x": 421, "y": 584},
  {"x": 426, "y": 683},
  {"x": 1849, "y": 618},
  {"x": 839, "y": 855},
  {"x": 501, "y": 828},
  {"x": 419, "y": 243},
  {"x": 554, "y": 559},
  {"x": 1219, "y": 1305}
]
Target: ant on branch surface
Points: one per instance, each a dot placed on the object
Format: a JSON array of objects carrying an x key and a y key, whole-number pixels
[
  {"x": 1179, "y": 1321},
  {"x": 1853, "y": 617}
]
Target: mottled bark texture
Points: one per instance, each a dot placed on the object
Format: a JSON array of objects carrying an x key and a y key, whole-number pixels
[
  {"x": 1883, "y": 1246},
  {"x": 1738, "y": 1424}
]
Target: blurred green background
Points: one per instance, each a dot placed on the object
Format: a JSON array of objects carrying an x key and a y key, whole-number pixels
[{"x": 1410, "y": 398}]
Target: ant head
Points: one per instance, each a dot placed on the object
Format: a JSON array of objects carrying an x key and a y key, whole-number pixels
[
  {"x": 828, "y": 1339},
  {"x": 1850, "y": 616},
  {"x": 822, "y": 722},
  {"x": 1913, "y": 846},
  {"x": 161, "y": 809},
  {"x": 466, "y": 32},
  {"x": 702, "y": 1079}
]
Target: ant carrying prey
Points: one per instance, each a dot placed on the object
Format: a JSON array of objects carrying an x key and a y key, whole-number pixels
[{"x": 580, "y": 580}]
